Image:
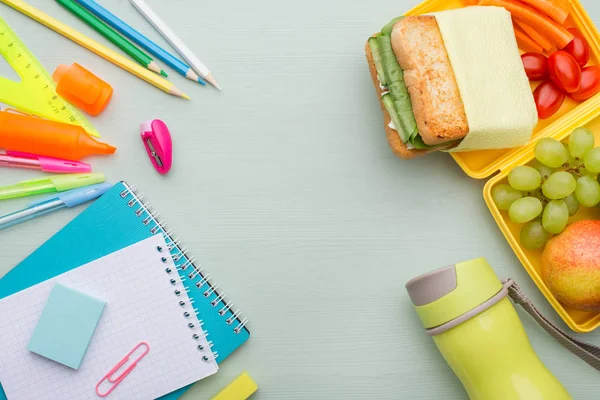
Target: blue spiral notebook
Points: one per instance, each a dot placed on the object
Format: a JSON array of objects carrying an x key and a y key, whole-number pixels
[{"x": 117, "y": 220}]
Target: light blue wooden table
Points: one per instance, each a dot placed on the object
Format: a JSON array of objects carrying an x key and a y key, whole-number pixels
[{"x": 285, "y": 188}]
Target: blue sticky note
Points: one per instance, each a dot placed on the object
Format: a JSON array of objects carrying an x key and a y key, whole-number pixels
[{"x": 65, "y": 329}]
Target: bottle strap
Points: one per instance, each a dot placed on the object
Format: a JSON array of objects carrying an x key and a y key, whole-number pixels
[{"x": 587, "y": 352}]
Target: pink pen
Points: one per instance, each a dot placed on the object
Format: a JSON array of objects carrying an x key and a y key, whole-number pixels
[{"x": 47, "y": 164}]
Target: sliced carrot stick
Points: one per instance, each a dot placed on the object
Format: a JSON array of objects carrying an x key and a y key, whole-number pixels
[
  {"x": 534, "y": 34},
  {"x": 525, "y": 42},
  {"x": 470, "y": 2},
  {"x": 566, "y": 5},
  {"x": 544, "y": 25},
  {"x": 555, "y": 9}
]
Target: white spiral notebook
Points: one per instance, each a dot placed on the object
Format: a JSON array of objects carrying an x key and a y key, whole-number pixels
[{"x": 137, "y": 286}]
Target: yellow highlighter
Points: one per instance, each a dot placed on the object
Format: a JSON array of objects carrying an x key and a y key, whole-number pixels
[{"x": 240, "y": 389}]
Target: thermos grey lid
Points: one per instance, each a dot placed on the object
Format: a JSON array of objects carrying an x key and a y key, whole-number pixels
[
  {"x": 431, "y": 286},
  {"x": 447, "y": 293}
]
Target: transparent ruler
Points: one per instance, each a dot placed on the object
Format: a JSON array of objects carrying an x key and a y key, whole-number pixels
[{"x": 36, "y": 93}]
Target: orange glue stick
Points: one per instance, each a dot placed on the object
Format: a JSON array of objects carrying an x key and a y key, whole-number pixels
[{"x": 47, "y": 138}]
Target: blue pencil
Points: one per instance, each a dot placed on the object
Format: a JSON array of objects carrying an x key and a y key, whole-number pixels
[{"x": 140, "y": 39}]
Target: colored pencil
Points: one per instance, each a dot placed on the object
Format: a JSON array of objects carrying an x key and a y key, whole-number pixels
[
  {"x": 106, "y": 31},
  {"x": 95, "y": 47},
  {"x": 177, "y": 43},
  {"x": 126, "y": 30}
]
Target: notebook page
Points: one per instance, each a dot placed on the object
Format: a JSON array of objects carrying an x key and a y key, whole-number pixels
[{"x": 140, "y": 306}]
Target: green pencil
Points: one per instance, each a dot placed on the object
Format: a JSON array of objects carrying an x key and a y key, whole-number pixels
[{"x": 106, "y": 31}]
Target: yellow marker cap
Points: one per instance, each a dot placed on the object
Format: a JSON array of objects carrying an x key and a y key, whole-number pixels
[{"x": 240, "y": 389}]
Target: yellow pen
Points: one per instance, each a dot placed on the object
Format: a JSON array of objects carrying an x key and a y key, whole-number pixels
[{"x": 56, "y": 183}]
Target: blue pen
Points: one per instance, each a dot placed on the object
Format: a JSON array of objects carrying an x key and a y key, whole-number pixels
[
  {"x": 122, "y": 27},
  {"x": 47, "y": 205}
]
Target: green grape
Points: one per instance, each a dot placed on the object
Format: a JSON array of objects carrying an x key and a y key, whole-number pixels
[
  {"x": 587, "y": 191},
  {"x": 584, "y": 171},
  {"x": 580, "y": 142},
  {"x": 555, "y": 216},
  {"x": 533, "y": 235},
  {"x": 504, "y": 195},
  {"x": 576, "y": 167},
  {"x": 537, "y": 193},
  {"x": 551, "y": 152},
  {"x": 592, "y": 160},
  {"x": 524, "y": 178},
  {"x": 559, "y": 185},
  {"x": 544, "y": 171},
  {"x": 572, "y": 204},
  {"x": 524, "y": 210},
  {"x": 574, "y": 163}
]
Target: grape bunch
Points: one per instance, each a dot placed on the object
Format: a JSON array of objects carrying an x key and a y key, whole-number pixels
[{"x": 544, "y": 194}]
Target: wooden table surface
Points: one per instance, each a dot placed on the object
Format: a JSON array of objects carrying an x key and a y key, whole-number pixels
[{"x": 283, "y": 185}]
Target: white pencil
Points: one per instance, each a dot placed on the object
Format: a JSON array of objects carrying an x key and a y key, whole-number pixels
[{"x": 177, "y": 43}]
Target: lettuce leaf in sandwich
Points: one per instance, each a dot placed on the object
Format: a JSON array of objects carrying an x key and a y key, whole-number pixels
[{"x": 395, "y": 95}]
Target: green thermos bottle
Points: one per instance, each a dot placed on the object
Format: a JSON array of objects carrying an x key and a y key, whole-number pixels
[{"x": 465, "y": 308}]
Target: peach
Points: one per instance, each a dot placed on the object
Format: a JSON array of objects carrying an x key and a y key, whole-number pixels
[{"x": 571, "y": 266}]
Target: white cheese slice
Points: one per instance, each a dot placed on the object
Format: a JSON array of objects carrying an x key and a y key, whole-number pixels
[{"x": 483, "y": 52}]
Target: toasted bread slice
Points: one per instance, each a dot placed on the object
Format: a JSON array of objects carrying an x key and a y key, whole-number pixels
[
  {"x": 439, "y": 111},
  {"x": 399, "y": 148}
]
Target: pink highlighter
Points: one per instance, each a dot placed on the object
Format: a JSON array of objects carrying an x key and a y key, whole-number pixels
[
  {"x": 17, "y": 159},
  {"x": 158, "y": 143}
]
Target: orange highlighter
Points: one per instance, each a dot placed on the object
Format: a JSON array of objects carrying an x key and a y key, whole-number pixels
[{"x": 47, "y": 138}]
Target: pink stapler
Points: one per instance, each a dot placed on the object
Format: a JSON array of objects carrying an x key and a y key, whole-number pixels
[{"x": 157, "y": 140}]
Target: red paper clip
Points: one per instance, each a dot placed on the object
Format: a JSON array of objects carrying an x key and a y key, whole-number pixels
[{"x": 115, "y": 381}]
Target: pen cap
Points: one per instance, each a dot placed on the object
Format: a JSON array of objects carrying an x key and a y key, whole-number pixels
[
  {"x": 68, "y": 181},
  {"x": 55, "y": 165},
  {"x": 75, "y": 197},
  {"x": 81, "y": 88}
]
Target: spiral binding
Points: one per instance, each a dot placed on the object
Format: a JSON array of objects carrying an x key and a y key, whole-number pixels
[{"x": 192, "y": 273}]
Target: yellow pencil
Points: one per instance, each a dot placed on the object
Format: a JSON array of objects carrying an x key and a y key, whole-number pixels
[{"x": 95, "y": 47}]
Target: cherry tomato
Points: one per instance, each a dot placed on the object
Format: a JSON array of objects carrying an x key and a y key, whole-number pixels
[
  {"x": 564, "y": 71},
  {"x": 548, "y": 99},
  {"x": 590, "y": 84},
  {"x": 536, "y": 66},
  {"x": 578, "y": 47}
]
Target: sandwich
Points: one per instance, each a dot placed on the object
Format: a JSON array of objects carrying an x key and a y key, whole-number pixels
[{"x": 451, "y": 81}]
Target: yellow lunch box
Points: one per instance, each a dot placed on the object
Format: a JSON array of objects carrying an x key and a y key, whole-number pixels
[{"x": 485, "y": 163}]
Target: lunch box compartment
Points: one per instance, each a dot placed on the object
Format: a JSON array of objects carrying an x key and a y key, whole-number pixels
[
  {"x": 484, "y": 163},
  {"x": 579, "y": 321}
]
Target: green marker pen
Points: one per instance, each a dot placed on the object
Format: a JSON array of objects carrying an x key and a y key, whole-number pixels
[{"x": 55, "y": 183}]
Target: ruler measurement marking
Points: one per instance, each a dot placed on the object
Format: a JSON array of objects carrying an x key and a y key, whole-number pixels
[{"x": 35, "y": 77}]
